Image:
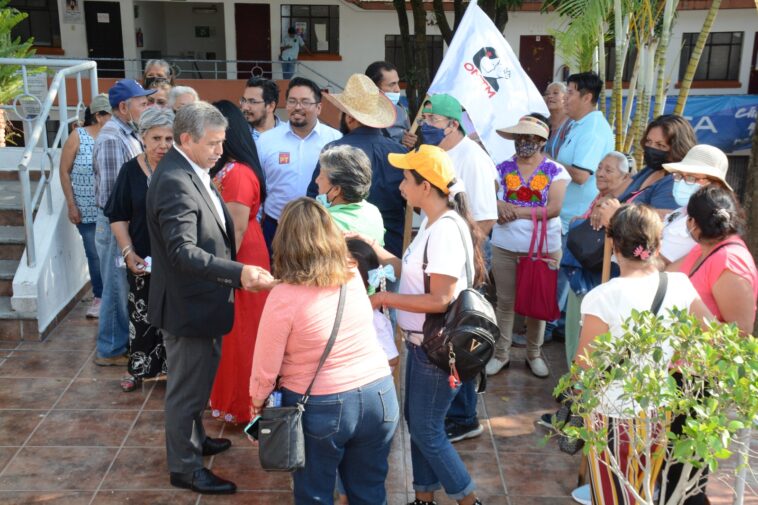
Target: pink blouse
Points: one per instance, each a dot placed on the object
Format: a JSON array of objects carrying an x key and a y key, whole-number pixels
[
  {"x": 293, "y": 332},
  {"x": 735, "y": 258}
]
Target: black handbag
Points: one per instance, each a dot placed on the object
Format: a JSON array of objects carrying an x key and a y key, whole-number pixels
[
  {"x": 461, "y": 341},
  {"x": 280, "y": 437},
  {"x": 587, "y": 245}
]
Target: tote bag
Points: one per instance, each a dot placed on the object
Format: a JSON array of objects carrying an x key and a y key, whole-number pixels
[{"x": 537, "y": 277}]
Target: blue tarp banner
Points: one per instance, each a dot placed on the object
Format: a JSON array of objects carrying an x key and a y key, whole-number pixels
[{"x": 725, "y": 121}]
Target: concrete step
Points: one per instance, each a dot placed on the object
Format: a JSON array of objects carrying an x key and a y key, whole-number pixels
[
  {"x": 12, "y": 242},
  {"x": 11, "y": 203},
  {"x": 7, "y": 271},
  {"x": 16, "y": 325}
]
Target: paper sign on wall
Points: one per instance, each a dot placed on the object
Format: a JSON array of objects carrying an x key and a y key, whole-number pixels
[{"x": 103, "y": 17}]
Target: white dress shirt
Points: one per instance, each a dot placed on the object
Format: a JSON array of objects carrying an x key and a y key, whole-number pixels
[
  {"x": 205, "y": 178},
  {"x": 289, "y": 161}
]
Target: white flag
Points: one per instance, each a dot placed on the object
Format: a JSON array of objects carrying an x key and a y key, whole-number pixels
[{"x": 481, "y": 71}]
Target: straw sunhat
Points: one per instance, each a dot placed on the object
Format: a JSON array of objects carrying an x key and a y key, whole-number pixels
[
  {"x": 703, "y": 159},
  {"x": 365, "y": 102},
  {"x": 527, "y": 125}
]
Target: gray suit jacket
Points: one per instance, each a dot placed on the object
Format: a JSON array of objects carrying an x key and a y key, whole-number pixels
[{"x": 193, "y": 268}]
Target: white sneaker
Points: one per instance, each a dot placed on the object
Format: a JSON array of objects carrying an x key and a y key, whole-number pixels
[
  {"x": 93, "y": 312},
  {"x": 494, "y": 366},
  {"x": 582, "y": 495},
  {"x": 538, "y": 367}
]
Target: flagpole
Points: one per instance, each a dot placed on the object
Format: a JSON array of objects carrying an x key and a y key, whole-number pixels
[{"x": 408, "y": 227}]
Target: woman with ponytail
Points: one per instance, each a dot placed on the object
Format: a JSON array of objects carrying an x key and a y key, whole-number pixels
[{"x": 429, "y": 184}]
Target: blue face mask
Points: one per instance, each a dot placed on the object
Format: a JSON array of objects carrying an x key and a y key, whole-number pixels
[
  {"x": 683, "y": 191},
  {"x": 394, "y": 97},
  {"x": 323, "y": 200},
  {"x": 432, "y": 135}
]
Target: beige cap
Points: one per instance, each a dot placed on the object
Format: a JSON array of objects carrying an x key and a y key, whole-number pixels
[
  {"x": 527, "y": 125},
  {"x": 703, "y": 159},
  {"x": 365, "y": 102},
  {"x": 100, "y": 104}
]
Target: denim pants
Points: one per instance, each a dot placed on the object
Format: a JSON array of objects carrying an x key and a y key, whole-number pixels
[
  {"x": 87, "y": 232},
  {"x": 428, "y": 397},
  {"x": 288, "y": 69},
  {"x": 352, "y": 432},
  {"x": 113, "y": 327},
  {"x": 463, "y": 409}
]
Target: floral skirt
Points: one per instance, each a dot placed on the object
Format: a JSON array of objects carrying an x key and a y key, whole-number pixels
[{"x": 147, "y": 354}]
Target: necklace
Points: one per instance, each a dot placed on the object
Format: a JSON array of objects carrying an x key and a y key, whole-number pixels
[{"x": 149, "y": 170}]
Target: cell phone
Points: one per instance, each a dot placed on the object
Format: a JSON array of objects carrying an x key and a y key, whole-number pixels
[{"x": 252, "y": 428}]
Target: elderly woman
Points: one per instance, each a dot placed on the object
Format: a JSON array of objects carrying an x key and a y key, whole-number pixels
[
  {"x": 555, "y": 98},
  {"x": 531, "y": 182},
  {"x": 179, "y": 96},
  {"x": 78, "y": 184},
  {"x": 635, "y": 231},
  {"x": 352, "y": 413},
  {"x": 343, "y": 185},
  {"x": 127, "y": 214},
  {"x": 157, "y": 71},
  {"x": 160, "y": 97}
]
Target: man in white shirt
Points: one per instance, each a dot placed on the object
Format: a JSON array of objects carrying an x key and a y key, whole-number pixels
[
  {"x": 291, "y": 44},
  {"x": 289, "y": 152}
]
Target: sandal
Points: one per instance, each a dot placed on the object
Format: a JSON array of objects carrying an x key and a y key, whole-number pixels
[{"x": 129, "y": 384}]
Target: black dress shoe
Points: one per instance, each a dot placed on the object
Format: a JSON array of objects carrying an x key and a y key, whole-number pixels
[
  {"x": 213, "y": 446},
  {"x": 203, "y": 481}
]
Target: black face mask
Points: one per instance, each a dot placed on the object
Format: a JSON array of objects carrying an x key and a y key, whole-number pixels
[{"x": 655, "y": 158}]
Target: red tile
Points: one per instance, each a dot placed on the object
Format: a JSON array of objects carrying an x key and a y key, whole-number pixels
[
  {"x": 101, "y": 394},
  {"x": 173, "y": 497},
  {"x": 139, "y": 468},
  {"x": 56, "y": 469},
  {"x": 17, "y": 425},
  {"x": 47, "y": 498},
  {"x": 35, "y": 364},
  {"x": 30, "y": 393},
  {"x": 106, "y": 428}
]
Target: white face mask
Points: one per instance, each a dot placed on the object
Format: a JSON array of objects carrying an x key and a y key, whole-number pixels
[{"x": 394, "y": 97}]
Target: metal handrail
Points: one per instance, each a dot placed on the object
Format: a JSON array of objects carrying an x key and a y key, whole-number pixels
[
  {"x": 38, "y": 130},
  {"x": 217, "y": 69}
]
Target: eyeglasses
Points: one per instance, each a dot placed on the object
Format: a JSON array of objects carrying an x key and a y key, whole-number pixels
[
  {"x": 689, "y": 179},
  {"x": 431, "y": 120},
  {"x": 250, "y": 101},
  {"x": 305, "y": 104}
]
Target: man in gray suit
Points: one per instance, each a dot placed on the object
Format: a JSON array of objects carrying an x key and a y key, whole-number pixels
[{"x": 192, "y": 288}]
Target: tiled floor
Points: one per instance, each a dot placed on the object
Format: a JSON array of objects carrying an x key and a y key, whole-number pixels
[{"x": 68, "y": 435}]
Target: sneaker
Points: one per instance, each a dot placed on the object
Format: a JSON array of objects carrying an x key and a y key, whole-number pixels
[
  {"x": 546, "y": 421},
  {"x": 494, "y": 366},
  {"x": 538, "y": 367},
  {"x": 582, "y": 495},
  {"x": 457, "y": 432},
  {"x": 122, "y": 360},
  {"x": 93, "y": 312}
]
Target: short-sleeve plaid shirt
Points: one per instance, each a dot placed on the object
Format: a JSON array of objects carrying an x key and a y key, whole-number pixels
[{"x": 116, "y": 144}]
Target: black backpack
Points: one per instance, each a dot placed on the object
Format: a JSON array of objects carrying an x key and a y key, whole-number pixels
[{"x": 461, "y": 341}]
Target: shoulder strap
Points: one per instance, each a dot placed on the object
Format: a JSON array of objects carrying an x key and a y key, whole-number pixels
[
  {"x": 329, "y": 344},
  {"x": 469, "y": 274},
  {"x": 692, "y": 272},
  {"x": 663, "y": 281}
]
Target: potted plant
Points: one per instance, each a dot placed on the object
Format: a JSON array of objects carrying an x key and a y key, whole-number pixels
[{"x": 663, "y": 369}]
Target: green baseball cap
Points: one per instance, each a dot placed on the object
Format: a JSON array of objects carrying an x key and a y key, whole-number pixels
[{"x": 444, "y": 105}]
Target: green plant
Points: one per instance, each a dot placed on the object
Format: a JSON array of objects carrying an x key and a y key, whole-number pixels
[
  {"x": 11, "y": 82},
  {"x": 717, "y": 397}
]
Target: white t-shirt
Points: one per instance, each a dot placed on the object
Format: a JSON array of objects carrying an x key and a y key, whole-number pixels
[
  {"x": 477, "y": 171},
  {"x": 517, "y": 235},
  {"x": 676, "y": 242},
  {"x": 613, "y": 302},
  {"x": 385, "y": 334},
  {"x": 446, "y": 256}
]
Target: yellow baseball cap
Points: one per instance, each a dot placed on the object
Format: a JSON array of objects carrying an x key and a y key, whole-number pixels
[{"x": 431, "y": 162}]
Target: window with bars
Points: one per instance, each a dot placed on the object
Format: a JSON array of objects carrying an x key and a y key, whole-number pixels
[
  {"x": 41, "y": 24},
  {"x": 319, "y": 25},
  {"x": 393, "y": 52},
  {"x": 721, "y": 56}
]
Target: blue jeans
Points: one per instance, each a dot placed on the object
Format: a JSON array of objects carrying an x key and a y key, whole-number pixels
[
  {"x": 463, "y": 409},
  {"x": 87, "y": 232},
  {"x": 352, "y": 432},
  {"x": 288, "y": 69},
  {"x": 113, "y": 327},
  {"x": 427, "y": 399}
]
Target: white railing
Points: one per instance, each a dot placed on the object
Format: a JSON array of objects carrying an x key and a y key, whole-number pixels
[{"x": 35, "y": 114}]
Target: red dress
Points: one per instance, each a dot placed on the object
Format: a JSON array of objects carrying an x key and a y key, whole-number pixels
[{"x": 230, "y": 398}]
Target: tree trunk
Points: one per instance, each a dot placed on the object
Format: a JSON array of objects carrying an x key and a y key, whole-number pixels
[
  {"x": 661, "y": 84},
  {"x": 409, "y": 71},
  {"x": 420, "y": 56},
  {"x": 601, "y": 69},
  {"x": 460, "y": 10},
  {"x": 751, "y": 203},
  {"x": 444, "y": 26},
  {"x": 689, "y": 75}
]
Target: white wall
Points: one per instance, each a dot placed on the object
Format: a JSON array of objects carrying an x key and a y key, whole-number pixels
[
  {"x": 362, "y": 34},
  {"x": 151, "y": 21}
]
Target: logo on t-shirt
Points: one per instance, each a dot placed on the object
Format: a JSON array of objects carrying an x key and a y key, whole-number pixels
[{"x": 284, "y": 158}]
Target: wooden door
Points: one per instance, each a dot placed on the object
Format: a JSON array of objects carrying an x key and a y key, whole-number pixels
[
  {"x": 252, "y": 23},
  {"x": 537, "y": 56},
  {"x": 104, "y": 39}
]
